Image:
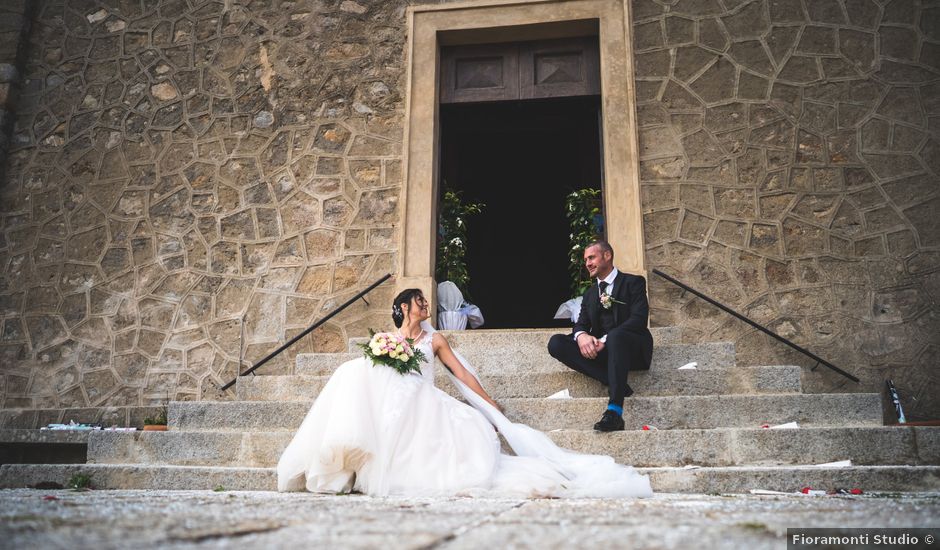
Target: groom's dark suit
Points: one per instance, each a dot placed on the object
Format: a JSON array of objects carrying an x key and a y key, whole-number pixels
[{"x": 629, "y": 344}]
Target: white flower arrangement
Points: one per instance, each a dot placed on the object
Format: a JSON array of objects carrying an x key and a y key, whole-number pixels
[{"x": 393, "y": 350}]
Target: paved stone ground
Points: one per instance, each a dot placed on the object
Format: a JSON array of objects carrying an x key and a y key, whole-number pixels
[{"x": 203, "y": 519}]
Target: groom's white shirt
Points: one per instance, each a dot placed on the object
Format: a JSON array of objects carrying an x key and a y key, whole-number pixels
[{"x": 609, "y": 279}]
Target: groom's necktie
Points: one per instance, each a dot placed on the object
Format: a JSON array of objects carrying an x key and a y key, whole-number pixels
[{"x": 606, "y": 315}]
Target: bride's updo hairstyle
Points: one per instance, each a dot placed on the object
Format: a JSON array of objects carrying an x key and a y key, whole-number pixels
[{"x": 404, "y": 297}]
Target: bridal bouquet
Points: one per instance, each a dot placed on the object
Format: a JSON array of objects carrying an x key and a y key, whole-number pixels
[{"x": 393, "y": 350}]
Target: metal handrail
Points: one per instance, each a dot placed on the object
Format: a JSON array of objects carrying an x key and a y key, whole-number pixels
[
  {"x": 758, "y": 326},
  {"x": 309, "y": 329}
]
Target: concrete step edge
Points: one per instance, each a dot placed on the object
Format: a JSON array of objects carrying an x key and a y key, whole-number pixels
[
  {"x": 726, "y": 479},
  {"x": 871, "y": 395},
  {"x": 661, "y": 335},
  {"x": 355, "y": 351},
  {"x": 136, "y": 476},
  {"x": 564, "y": 431},
  {"x": 547, "y": 414},
  {"x": 37, "y": 436},
  {"x": 717, "y": 381},
  {"x": 743, "y": 479},
  {"x": 866, "y": 445}
]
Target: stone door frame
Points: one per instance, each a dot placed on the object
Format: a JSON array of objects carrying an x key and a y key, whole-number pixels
[{"x": 430, "y": 27}]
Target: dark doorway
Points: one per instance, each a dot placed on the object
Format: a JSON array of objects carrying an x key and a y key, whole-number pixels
[{"x": 520, "y": 158}]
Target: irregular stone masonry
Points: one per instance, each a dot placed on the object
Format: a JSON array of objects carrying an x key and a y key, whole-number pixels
[
  {"x": 182, "y": 172},
  {"x": 790, "y": 169}
]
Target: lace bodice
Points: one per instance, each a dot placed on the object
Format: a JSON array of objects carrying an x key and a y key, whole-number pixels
[{"x": 424, "y": 344}]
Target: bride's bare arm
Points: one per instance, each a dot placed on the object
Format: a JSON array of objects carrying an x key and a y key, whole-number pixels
[{"x": 442, "y": 349}]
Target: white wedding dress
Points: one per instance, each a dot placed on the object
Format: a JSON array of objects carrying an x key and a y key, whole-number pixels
[{"x": 378, "y": 432}]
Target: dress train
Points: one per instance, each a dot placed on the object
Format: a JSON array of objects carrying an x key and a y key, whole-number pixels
[{"x": 375, "y": 431}]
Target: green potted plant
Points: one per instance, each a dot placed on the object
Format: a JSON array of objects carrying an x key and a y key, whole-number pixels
[
  {"x": 452, "y": 238},
  {"x": 451, "y": 269},
  {"x": 583, "y": 210}
]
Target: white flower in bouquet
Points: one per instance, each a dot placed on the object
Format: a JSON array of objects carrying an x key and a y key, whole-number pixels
[{"x": 393, "y": 350}]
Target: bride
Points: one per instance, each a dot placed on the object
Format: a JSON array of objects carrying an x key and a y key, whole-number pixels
[{"x": 379, "y": 432}]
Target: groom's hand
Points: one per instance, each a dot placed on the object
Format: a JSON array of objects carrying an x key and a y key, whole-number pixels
[{"x": 587, "y": 345}]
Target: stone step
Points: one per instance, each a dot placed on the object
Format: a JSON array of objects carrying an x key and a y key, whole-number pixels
[
  {"x": 734, "y": 479},
  {"x": 881, "y": 445},
  {"x": 33, "y": 446},
  {"x": 675, "y": 412},
  {"x": 235, "y": 416},
  {"x": 523, "y": 341},
  {"x": 250, "y": 449},
  {"x": 539, "y": 337},
  {"x": 43, "y": 437},
  {"x": 703, "y": 412},
  {"x": 142, "y": 476},
  {"x": 29, "y": 419},
  {"x": 279, "y": 388},
  {"x": 875, "y": 445},
  {"x": 741, "y": 479},
  {"x": 497, "y": 361},
  {"x": 718, "y": 381}
]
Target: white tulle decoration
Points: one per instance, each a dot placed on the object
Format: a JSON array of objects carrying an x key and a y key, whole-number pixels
[
  {"x": 453, "y": 312},
  {"x": 570, "y": 309}
]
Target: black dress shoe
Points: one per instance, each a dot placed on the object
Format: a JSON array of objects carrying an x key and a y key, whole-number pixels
[{"x": 610, "y": 422}]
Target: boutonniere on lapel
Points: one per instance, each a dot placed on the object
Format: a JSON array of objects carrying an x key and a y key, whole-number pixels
[{"x": 608, "y": 301}]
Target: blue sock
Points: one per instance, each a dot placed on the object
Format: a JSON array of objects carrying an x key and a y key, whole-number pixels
[{"x": 616, "y": 408}]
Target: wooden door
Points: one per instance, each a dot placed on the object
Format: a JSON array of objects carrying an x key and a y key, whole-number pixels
[{"x": 565, "y": 67}]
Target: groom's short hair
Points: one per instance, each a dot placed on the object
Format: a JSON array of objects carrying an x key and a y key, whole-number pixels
[{"x": 603, "y": 245}]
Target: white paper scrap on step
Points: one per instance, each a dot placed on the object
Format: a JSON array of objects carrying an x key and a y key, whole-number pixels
[
  {"x": 689, "y": 366},
  {"x": 787, "y": 426},
  {"x": 767, "y": 492},
  {"x": 836, "y": 464},
  {"x": 563, "y": 394}
]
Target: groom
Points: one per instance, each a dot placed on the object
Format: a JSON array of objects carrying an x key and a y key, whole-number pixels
[{"x": 611, "y": 336}]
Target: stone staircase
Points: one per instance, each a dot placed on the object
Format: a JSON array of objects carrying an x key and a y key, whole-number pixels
[{"x": 708, "y": 437}]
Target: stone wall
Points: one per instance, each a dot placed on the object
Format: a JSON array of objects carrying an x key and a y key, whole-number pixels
[
  {"x": 790, "y": 169},
  {"x": 185, "y": 171}
]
